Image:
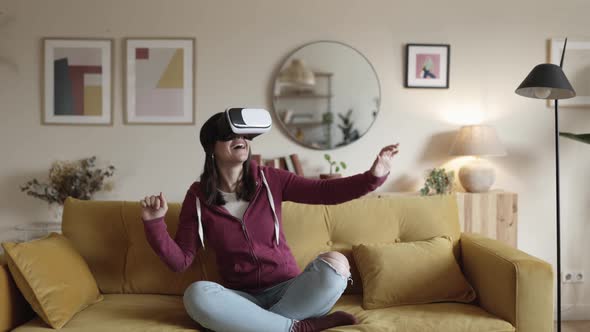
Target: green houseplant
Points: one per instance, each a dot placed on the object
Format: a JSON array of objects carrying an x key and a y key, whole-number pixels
[
  {"x": 334, "y": 168},
  {"x": 584, "y": 138},
  {"x": 348, "y": 133},
  {"x": 438, "y": 182}
]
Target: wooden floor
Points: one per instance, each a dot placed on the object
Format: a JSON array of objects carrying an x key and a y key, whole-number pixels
[{"x": 575, "y": 326}]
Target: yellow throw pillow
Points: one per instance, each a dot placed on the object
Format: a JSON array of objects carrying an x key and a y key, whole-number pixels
[
  {"x": 410, "y": 273},
  {"x": 52, "y": 277}
]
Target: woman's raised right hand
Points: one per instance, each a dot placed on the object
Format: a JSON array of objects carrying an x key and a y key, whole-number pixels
[{"x": 153, "y": 207}]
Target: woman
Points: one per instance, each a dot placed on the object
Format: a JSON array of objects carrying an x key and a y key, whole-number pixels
[{"x": 236, "y": 210}]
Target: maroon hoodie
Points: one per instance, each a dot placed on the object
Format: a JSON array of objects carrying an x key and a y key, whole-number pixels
[{"x": 252, "y": 253}]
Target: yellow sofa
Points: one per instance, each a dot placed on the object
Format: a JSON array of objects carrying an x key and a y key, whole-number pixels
[{"x": 514, "y": 290}]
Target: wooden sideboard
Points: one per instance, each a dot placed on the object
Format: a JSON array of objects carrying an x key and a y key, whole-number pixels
[{"x": 493, "y": 214}]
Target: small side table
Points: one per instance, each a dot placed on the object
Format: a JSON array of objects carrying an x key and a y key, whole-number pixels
[{"x": 36, "y": 230}]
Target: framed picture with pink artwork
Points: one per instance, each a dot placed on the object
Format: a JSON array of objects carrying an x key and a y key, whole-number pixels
[
  {"x": 427, "y": 66},
  {"x": 77, "y": 81},
  {"x": 159, "y": 81},
  {"x": 576, "y": 66}
]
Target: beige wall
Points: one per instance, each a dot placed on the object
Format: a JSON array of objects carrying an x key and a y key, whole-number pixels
[{"x": 240, "y": 44}]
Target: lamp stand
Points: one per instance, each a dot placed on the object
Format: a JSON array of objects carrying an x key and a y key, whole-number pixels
[
  {"x": 558, "y": 232},
  {"x": 558, "y": 219},
  {"x": 548, "y": 81}
]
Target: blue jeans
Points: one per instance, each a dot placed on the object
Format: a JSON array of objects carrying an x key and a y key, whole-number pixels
[{"x": 311, "y": 294}]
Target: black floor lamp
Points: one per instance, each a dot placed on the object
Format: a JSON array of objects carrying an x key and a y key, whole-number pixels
[{"x": 547, "y": 81}]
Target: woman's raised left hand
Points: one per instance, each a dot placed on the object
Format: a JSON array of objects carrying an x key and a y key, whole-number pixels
[{"x": 384, "y": 161}]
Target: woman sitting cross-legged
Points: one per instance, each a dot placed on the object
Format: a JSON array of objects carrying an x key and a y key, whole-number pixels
[{"x": 236, "y": 207}]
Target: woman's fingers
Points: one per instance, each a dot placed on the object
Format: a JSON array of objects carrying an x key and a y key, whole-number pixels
[
  {"x": 389, "y": 151},
  {"x": 153, "y": 202},
  {"x": 391, "y": 147}
]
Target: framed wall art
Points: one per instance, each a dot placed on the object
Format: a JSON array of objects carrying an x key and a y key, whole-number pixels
[
  {"x": 77, "y": 81},
  {"x": 159, "y": 81},
  {"x": 576, "y": 66},
  {"x": 427, "y": 66}
]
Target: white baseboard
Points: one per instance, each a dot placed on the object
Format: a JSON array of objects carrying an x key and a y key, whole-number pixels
[{"x": 575, "y": 311}]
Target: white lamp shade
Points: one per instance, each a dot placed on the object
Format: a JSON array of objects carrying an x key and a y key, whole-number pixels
[
  {"x": 477, "y": 140},
  {"x": 297, "y": 74}
]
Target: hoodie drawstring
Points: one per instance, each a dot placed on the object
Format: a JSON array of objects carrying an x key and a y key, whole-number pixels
[
  {"x": 199, "y": 223},
  {"x": 272, "y": 206}
]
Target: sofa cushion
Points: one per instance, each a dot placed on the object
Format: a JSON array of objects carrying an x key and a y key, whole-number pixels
[
  {"x": 52, "y": 277},
  {"x": 145, "y": 272},
  {"x": 434, "y": 317},
  {"x": 96, "y": 231},
  {"x": 411, "y": 273},
  {"x": 111, "y": 237},
  {"x": 130, "y": 312},
  {"x": 311, "y": 229},
  {"x": 126, "y": 312}
]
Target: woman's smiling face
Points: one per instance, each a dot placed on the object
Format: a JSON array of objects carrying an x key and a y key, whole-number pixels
[{"x": 233, "y": 151}]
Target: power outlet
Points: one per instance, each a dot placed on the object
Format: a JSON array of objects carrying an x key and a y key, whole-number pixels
[{"x": 572, "y": 277}]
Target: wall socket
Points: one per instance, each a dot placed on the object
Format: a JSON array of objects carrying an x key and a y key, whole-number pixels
[{"x": 572, "y": 277}]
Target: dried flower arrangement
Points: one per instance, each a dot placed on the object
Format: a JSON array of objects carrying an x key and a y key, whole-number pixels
[{"x": 79, "y": 179}]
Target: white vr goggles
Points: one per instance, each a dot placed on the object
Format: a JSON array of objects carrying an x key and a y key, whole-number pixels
[{"x": 247, "y": 122}]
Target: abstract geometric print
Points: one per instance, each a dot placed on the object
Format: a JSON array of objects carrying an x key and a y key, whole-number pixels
[
  {"x": 159, "y": 81},
  {"x": 159, "y": 85},
  {"x": 77, "y": 81}
]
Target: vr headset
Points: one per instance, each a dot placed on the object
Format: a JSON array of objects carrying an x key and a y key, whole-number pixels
[{"x": 246, "y": 122}]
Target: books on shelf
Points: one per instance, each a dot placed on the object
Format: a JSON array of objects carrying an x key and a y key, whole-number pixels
[
  {"x": 282, "y": 163},
  {"x": 296, "y": 164},
  {"x": 290, "y": 163}
]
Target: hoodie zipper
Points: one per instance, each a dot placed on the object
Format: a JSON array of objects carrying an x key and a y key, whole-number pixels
[{"x": 245, "y": 231}]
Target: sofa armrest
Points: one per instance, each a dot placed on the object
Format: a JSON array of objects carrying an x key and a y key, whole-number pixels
[
  {"x": 509, "y": 283},
  {"x": 14, "y": 309}
]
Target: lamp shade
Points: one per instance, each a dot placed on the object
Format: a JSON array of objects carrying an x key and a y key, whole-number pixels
[
  {"x": 546, "y": 81},
  {"x": 297, "y": 74},
  {"x": 477, "y": 140}
]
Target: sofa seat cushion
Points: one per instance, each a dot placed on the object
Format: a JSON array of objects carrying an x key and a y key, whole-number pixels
[
  {"x": 434, "y": 317},
  {"x": 125, "y": 312},
  {"x": 130, "y": 312}
]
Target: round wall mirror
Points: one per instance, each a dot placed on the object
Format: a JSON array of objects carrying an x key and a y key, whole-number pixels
[{"x": 326, "y": 95}]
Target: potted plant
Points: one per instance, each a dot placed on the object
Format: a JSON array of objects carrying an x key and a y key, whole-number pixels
[
  {"x": 584, "y": 138},
  {"x": 348, "y": 133},
  {"x": 79, "y": 179},
  {"x": 438, "y": 182},
  {"x": 334, "y": 168}
]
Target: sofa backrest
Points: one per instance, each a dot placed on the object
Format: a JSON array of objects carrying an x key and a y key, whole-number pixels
[{"x": 110, "y": 236}]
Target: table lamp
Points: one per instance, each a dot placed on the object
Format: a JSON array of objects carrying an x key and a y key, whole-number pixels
[
  {"x": 479, "y": 141},
  {"x": 547, "y": 81},
  {"x": 297, "y": 75}
]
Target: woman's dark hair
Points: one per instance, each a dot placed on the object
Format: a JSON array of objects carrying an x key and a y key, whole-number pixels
[
  {"x": 210, "y": 179},
  {"x": 210, "y": 182}
]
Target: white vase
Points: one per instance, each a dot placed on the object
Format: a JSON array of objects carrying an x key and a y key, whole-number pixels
[
  {"x": 477, "y": 176},
  {"x": 56, "y": 212}
]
